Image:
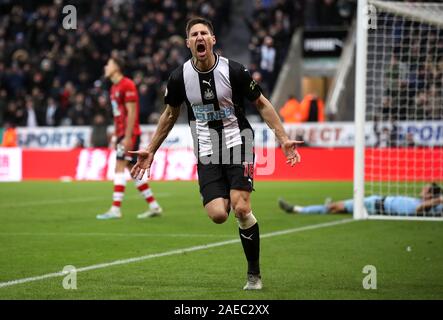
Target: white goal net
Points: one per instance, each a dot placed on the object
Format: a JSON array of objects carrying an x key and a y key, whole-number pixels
[{"x": 399, "y": 90}]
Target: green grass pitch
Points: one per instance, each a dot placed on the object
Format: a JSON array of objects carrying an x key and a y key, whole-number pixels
[{"x": 45, "y": 226}]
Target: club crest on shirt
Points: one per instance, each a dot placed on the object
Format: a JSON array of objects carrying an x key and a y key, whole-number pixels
[
  {"x": 209, "y": 94},
  {"x": 117, "y": 94}
]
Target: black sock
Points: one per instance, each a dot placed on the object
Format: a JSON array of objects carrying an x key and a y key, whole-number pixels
[{"x": 250, "y": 239}]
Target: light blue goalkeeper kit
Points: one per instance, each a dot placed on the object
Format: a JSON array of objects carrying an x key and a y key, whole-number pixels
[{"x": 392, "y": 205}]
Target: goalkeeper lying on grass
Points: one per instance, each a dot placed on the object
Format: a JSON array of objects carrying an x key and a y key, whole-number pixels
[{"x": 430, "y": 203}]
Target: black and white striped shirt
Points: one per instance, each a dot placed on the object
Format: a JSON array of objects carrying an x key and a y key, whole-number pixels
[{"x": 215, "y": 102}]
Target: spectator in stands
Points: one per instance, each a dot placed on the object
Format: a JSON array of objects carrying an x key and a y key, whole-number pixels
[
  {"x": 11, "y": 113},
  {"x": 271, "y": 27},
  {"x": 409, "y": 141},
  {"x": 413, "y": 77},
  {"x": 291, "y": 111},
  {"x": 321, "y": 13},
  {"x": 148, "y": 97},
  {"x": 30, "y": 118},
  {"x": 37, "y": 53},
  {"x": 79, "y": 113},
  {"x": 328, "y": 14},
  {"x": 435, "y": 102},
  {"x": 311, "y": 19},
  {"x": 314, "y": 108},
  {"x": 9, "y": 135},
  {"x": 3, "y": 105},
  {"x": 310, "y": 109},
  {"x": 267, "y": 62},
  {"x": 53, "y": 113},
  {"x": 99, "y": 135},
  {"x": 387, "y": 135}
]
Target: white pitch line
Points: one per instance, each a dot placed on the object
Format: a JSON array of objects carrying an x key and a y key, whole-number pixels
[
  {"x": 72, "y": 200},
  {"x": 172, "y": 252},
  {"x": 110, "y": 234}
]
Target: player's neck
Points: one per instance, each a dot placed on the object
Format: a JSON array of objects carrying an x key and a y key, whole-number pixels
[
  {"x": 205, "y": 65},
  {"x": 116, "y": 78}
]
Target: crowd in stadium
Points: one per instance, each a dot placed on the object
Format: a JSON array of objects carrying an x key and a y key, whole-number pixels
[
  {"x": 413, "y": 86},
  {"x": 414, "y": 81},
  {"x": 50, "y": 76},
  {"x": 271, "y": 29},
  {"x": 273, "y": 22},
  {"x": 53, "y": 76}
]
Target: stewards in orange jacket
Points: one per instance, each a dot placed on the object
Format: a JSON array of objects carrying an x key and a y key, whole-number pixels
[
  {"x": 9, "y": 137},
  {"x": 291, "y": 111},
  {"x": 314, "y": 108},
  {"x": 311, "y": 109}
]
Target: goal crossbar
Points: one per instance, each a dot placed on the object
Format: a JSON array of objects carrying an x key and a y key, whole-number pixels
[{"x": 416, "y": 11}]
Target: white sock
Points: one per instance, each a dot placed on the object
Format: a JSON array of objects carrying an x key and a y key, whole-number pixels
[
  {"x": 119, "y": 190},
  {"x": 146, "y": 192}
]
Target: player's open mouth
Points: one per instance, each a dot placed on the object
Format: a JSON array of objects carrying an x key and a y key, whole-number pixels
[{"x": 201, "y": 50}]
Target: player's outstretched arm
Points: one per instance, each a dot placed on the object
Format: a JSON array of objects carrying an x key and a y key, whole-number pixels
[
  {"x": 427, "y": 204},
  {"x": 271, "y": 118},
  {"x": 145, "y": 157}
]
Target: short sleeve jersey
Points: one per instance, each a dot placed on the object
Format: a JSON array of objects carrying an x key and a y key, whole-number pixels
[
  {"x": 122, "y": 92},
  {"x": 215, "y": 102}
]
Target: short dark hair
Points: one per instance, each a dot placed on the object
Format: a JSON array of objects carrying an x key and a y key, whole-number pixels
[
  {"x": 435, "y": 189},
  {"x": 192, "y": 22},
  {"x": 119, "y": 61}
]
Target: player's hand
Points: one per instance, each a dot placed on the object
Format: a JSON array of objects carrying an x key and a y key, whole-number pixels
[
  {"x": 143, "y": 165},
  {"x": 127, "y": 143},
  {"x": 112, "y": 142},
  {"x": 290, "y": 151}
]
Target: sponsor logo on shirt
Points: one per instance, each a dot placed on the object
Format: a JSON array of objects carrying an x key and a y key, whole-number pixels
[
  {"x": 115, "y": 109},
  {"x": 206, "y": 112}
]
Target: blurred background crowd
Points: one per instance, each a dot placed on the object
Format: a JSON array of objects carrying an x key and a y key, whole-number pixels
[
  {"x": 414, "y": 75},
  {"x": 50, "y": 76}
]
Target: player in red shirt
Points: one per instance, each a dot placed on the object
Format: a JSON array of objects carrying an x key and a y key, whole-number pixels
[{"x": 125, "y": 108}]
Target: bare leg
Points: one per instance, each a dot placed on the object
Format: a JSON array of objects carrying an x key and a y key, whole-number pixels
[{"x": 218, "y": 209}]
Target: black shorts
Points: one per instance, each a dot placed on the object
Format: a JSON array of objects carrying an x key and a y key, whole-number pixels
[
  {"x": 122, "y": 155},
  {"x": 216, "y": 180}
]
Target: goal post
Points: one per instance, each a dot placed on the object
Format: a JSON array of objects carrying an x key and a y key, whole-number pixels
[{"x": 398, "y": 148}]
